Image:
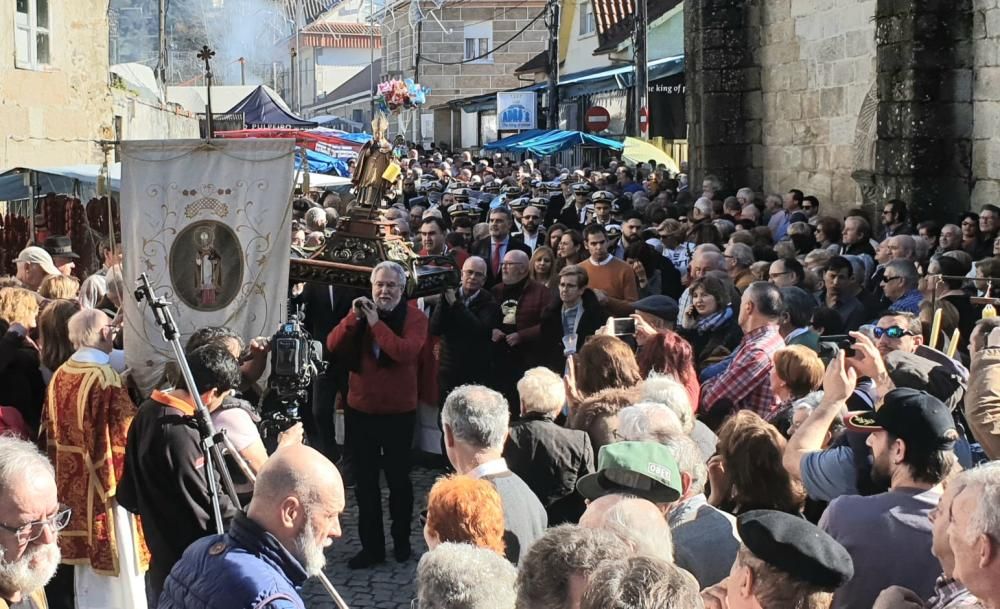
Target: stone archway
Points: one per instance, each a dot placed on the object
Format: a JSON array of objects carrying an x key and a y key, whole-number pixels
[{"x": 865, "y": 138}]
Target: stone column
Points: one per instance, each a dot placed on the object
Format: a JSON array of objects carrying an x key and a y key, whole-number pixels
[
  {"x": 923, "y": 153},
  {"x": 723, "y": 89}
]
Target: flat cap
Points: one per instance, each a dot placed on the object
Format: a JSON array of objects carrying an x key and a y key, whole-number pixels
[{"x": 797, "y": 547}]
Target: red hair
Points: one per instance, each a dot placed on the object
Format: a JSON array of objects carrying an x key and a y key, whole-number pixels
[
  {"x": 668, "y": 353},
  {"x": 465, "y": 510}
]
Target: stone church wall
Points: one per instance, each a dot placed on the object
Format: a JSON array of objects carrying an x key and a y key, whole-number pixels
[{"x": 817, "y": 65}]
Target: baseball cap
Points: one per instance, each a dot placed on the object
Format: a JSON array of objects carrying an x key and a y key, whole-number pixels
[
  {"x": 36, "y": 255},
  {"x": 916, "y": 417},
  {"x": 644, "y": 469}
]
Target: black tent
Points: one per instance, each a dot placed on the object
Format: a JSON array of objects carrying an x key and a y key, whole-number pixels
[{"x": 261, "y": 111}]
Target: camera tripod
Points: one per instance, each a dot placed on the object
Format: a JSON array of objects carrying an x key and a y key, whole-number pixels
[{"x": 211, "y": 440}]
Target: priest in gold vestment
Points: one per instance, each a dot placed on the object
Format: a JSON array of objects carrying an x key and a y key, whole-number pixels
[{"x": 84, "y": 427}]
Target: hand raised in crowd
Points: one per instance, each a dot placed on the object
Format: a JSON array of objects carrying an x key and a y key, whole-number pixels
[
  {"x": 513, "y": 339},
  {"x": 867, "y": 361},
  {"x": 260, "y": 346},
  {"x": 292, "y": 435},
  {"x": 839, "y": 380},
  {"x": 714, "y": 597},
  {"x": 643, "y": 330},
  {"x": 718, "y": 480},
  {"x": 573, "y": 396}
]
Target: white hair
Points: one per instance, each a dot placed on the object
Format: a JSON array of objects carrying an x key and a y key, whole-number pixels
[
  {"x": 640, "y": 524},
  {"x": 985, "y": 517},
  {"x": 85, "y": 327},
  {"x": 665, "y": 389},
  {"x": 477, "y": 416},
  {"x": 462, "y": 576},
  {"x": 393, "y": 267},
  {"x": 92, "y": 290},
  {"x": 315, "y": 218},
  {"x": 648, "y": 421},
  {"x": 745, "y": 192},
  {"x": 541, "y": 390},
  {"x": 20, "y": 459},
  {"x": 704, "y": 205}
]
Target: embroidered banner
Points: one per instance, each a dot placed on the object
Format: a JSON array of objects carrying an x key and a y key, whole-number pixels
[{"x": 210, "y": 226}]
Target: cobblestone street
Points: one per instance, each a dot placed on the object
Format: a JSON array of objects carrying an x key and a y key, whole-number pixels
[{"x": 390, "y": 585}]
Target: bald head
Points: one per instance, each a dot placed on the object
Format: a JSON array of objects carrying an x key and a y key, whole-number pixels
[
  {"x": 298, "y": 498},
  {"x": 515, "y": 266}
]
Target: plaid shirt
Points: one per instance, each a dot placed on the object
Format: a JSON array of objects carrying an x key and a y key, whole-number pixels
[
  {"x": 747, "y": 383},
  {"x": 950, "y": 594}
]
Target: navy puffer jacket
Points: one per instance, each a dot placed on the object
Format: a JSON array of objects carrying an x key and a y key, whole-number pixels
[{"x": 247, "y": 568}]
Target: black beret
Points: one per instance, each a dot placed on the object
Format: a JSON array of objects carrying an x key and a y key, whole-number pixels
[{"x": 797, "y": 547}]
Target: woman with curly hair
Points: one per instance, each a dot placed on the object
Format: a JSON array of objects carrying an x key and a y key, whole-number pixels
[
  {"x": 746, "y": 473},
  {"x": 464, "y": 510},
  {"x": 21, "y": 382}
]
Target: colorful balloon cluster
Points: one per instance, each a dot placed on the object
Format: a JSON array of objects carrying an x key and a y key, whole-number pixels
[{"x": 395, "y": 94}]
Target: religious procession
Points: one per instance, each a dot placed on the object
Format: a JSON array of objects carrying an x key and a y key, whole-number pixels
[{"x": 550, "y": 320}]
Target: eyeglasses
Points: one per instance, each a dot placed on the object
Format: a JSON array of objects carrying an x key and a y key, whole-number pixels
[
  {"x": 888, "y": 280},
  {"x": 781, "y": 274},
  {"x": 30, "y": 531},
  {"x": 886, "y": 212},
  {"x": 890, "y": 332}
]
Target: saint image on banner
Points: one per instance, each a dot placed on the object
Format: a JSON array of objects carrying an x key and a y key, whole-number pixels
[
  {"x": 209, "y": 269},
  {"x": 206, "y": 265}
]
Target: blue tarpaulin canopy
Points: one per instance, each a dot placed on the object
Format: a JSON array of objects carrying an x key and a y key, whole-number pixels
[
  {"x": 542, "y": 142},
  {"x": 321, "y": 163},
  {"x": 261, "y": 111}
]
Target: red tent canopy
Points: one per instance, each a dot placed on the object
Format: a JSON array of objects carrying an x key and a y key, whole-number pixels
[{"x": 327, "y": 144}]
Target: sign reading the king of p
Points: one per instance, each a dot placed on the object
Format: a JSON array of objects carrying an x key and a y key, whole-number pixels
[
  {"x": 209, "y": 224},
  {"x": 516, "y": 110}
]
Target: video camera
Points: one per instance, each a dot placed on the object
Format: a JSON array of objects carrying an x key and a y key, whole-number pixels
[{"x": 296, "y": 360}]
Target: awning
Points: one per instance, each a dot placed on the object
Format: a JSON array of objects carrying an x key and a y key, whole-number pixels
[
  {"x": 579, "y": 84},
  {"x": 546, "y": 142},
  {"x": 320, "y": 163},
  {"x": 62, "y": 180},
  {"x": 640, "y": 151},
  {"x": 337, "y": 147},
  {"x": 261, "y": 111}
]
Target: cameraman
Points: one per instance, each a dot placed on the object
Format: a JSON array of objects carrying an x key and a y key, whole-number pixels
[{"x": 235, "y": 415}]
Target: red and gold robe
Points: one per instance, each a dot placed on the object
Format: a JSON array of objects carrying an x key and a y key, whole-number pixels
[{"x": 85, "y": 424}]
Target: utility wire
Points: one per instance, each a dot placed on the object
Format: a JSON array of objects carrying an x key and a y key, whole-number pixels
[{"x": 491, "y": 51}]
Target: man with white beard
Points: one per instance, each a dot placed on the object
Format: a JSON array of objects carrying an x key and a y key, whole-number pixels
[
  {"x": 272, "y": 549},
  {"x": 30, "y": 518}
]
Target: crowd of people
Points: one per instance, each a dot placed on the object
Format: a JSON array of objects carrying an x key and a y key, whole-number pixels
[{"x": 648, "y": 394}]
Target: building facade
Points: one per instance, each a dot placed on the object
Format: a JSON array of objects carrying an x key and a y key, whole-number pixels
[
  {"x": 459, "y": 51},
  {"x": 54, "y": 93}
]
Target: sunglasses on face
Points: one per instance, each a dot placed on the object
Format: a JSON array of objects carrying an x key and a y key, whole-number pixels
[{"x": 890, "y": 332}]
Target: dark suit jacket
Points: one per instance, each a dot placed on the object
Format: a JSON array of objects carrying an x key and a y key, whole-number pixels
[
  {"x": 550, "y": 459},
  {"x": 552, "y": 212},
  {"x": 484, "y": 249},
  {"x": 466, "y": 339},
  {"x": 542, "y": 238},
  {"x": 594, "y": 316},
  {"x": 571, "y": 217}
]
